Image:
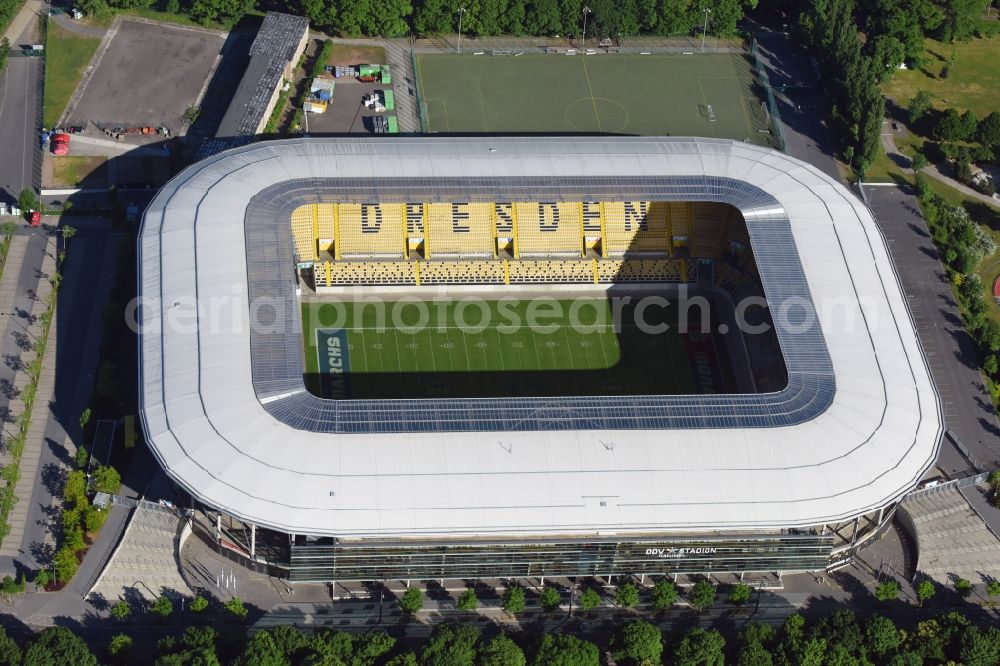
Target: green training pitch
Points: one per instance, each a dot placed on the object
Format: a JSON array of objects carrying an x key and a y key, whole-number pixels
[
  {"x": 572, "y": 348},
  {"x": 650, "y": 95}
]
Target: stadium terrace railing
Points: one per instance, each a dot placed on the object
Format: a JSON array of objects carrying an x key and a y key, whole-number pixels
[
  {"x": 958, "y": 484},
  {"x": 772, "y": 106}
]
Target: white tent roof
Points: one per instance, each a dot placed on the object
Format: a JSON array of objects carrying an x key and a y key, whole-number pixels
[{"x": 873, "y": 431}]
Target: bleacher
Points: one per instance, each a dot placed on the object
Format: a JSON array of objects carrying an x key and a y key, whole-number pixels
[
  {"x": 457, "y": 243},
  {"x": 548, "y": 229},
  {"x": 461, "y": 272},
  {"x": 552, "y": 271},
  {"x": 460, "y": 229},
  {"x": 709, "y": 224},
  {"x": 635, "y": 226},
  {"x": 371, "y": 230},
  {"x": 347, "y": 273}
]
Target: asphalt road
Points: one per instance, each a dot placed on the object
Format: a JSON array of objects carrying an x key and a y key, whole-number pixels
[
  {"x": 951, "y": 353},
  {"x": 20, "y": 121}
]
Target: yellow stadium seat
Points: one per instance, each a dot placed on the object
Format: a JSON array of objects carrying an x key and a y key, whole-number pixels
[
  {"x": 548, "y": 229},
  {"x": 635, "y": 226},
  {"x": 371, "y": 230},
  {"x": 303, "y": 236},
  {"x": 460, "y": 229}
]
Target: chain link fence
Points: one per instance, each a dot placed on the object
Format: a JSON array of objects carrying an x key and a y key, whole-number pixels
[{"x": 774, "y": 118}]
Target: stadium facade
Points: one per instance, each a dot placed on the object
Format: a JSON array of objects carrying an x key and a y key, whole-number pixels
[{"x": 789, "y": 479}]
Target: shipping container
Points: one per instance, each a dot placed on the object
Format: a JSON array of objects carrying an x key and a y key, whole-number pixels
[
  {"x": 393, "y": 125},
  {"x": 388, "y": 101},
  {"x": 386, "y": 78},
  {"x": 314, "y": 107}
]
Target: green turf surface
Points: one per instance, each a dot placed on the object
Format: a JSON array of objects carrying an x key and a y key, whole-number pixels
[
  {"x": 625, "y": 94},
  {"x": 553, "y": 357}
]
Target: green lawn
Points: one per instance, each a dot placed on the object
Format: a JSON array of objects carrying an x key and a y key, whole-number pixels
[
  {"x": 495, "y": 357},
  {"x": 972, "y": 84},
  {"x": 623, "y": 94},
  {"x": 66, "y": 57}
]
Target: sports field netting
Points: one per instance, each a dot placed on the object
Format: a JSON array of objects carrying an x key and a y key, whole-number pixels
[
  {"x": 488, "y": 349},
  {"x": 621, "y": 94}
]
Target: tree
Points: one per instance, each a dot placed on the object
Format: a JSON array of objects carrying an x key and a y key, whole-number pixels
[
  {"x": 10, "y": 588},
  {"x": 919, "y": 162},
  {"x": 754, "y": 654},
  {"x": 887, "y": 591},
  {"x": 501, "y": 651},
  {"x": 881, "y": 636},
  {"x": 10, "y": 653},
  {"x": 4, "y": 52},
  {"x": 949, "y": 127},
  {"x": 664, "y": 595},
  {"x": 963, "y": 587},
  {"x": 451, "y": 645},
  {"x": 226, "y": 12},
  {"x": 627, "y": 596},
  {"x": 27, "y": 200},
  {"x": 550, "y": 599},
  {"x": 468, "y": 601},
  {"x": 988, "y": 132},
  {"x": 969, "y": 125},
  {"x": 739, "y": 593},
  {"x": 993, "y": 588},
  {"x": 701, "y": 595},
  {"x": 120, "y": 648},
  {"x": 81, "y": 457},
  {"x": 919, "y": 105},
  {"x": 640, "y": 642},
  {"x": 432, "y": 17},
  {"x": 199, "y": 604},
  {"x": 162, "y": 606},
  {"x": 961, "y": 17},
  {"x": 700, "y": 647},
  {"x": 85, "y": 415},
  {"x": 261, "y": 650},
  {"x": 107, "y": 479},
  {"x": 58, "y": 645},
  {"x": 64, "y": 564},
  {"x": 236, "y": 607},
  {"x": 589, "y": 599},
  {"x": 67, "y": 232},
  {"x": 925, "y": 590},
  {"x": 566, "y": 650},
  {"x": 121, "y": 610},
  {"x": 412, "y": 600},
  {"x": 513, "y": 600},
  {"x": 42, "y": 579}
]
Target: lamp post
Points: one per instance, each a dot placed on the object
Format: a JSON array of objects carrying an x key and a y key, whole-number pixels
[
  {"x": 586, "y": 10},
  {"x": 461, "y": 11},
  {"x": 704, "y": 31}
]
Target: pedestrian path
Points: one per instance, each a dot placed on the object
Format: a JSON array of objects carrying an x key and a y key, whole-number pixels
[
  {"x": 29, "y": 327},
  {"x": 29, "y": 13}
]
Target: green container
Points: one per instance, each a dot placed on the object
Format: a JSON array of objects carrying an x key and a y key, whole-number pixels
[
  {"x": 386, "y": 78},
  {"x": 388, "y": 100},
  {"x": 393, "y": 125}
]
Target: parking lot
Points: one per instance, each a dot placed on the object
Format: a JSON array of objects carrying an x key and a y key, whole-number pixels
[
  {"x": 147, "y": 75},
  {"x": 346, "y": 114}
]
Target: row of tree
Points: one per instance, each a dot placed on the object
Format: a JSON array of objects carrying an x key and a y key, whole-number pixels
[
  {"x": 836, "y": 639},
  {"x": 963, "y": 243},
  {"x": 393, "y": 18}
]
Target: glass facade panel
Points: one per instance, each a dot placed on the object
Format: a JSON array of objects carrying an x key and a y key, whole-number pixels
[{"x": 316, "y": 562}]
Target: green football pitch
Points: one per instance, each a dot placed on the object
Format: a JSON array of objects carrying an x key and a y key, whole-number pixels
[
  {"x": 496, "y": 348},
  {"x": 621, "y": 94}
]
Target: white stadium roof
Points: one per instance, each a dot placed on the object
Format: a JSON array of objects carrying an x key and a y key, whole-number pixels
[{"x": 228, "y": 418}]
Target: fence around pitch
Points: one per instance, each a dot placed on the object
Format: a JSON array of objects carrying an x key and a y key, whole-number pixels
[{"x": 772, "y": 106}]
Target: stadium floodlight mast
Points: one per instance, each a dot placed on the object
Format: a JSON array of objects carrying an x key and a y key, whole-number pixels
[
  {"x": 586, "y": 10},
  {"x": 704, "y": 31},
  {"x": 461, "y": 11}
]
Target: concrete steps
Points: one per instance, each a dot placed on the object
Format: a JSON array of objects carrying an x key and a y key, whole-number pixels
[{"x": 953, "y": 540}]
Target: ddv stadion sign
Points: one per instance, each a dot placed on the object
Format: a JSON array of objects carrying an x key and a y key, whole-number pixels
[{"x": 668, "y": 553}]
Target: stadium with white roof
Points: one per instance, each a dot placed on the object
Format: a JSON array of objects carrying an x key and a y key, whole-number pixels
[{"x": 311, "y": 488}]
